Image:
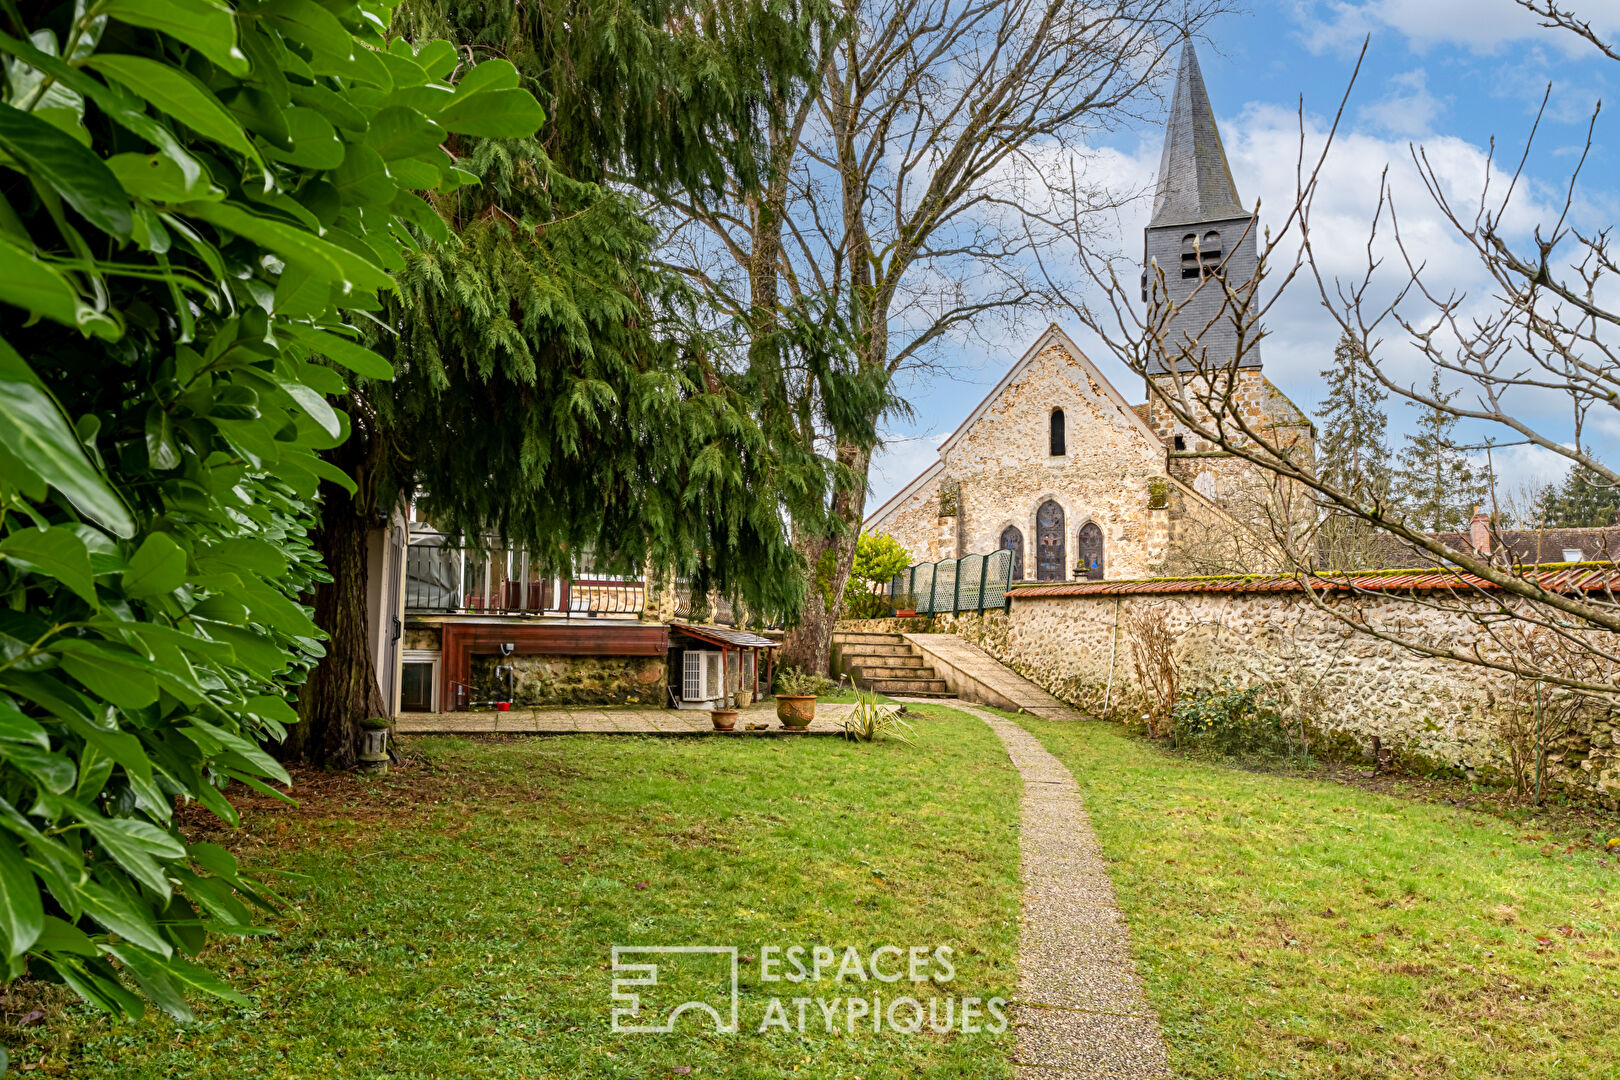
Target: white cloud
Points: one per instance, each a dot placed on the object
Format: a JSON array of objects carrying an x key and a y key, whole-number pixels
[
  {"x": 1408, "y": 109},
  {"x": 1482, "y": 26}
]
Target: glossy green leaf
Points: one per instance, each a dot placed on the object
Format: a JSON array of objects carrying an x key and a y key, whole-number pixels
[
  {"x": 493, "y": 114},
  {"x": 22, "y": 915},
  {"x": 33, "y": 286},
  {"x": 57, "y": 552},
  {"x": 33, "y": 429},
  {"x": 17, "y": 727},
  {"x": 178, "y": 93},
  {"x": 295, "y": 244},
  {"x": 489, "y": 75},
  {"x": 75, "y": 172},
  {"x": 315, "y": 143},
  {"x": 157, "y": 178},
  {"x": 119, "y": 915},
  {"x": 207, "y": 27},
  {"x": 340, "y": 350},
  {"x": 113, "y": 672},
  {"x": 157, "y": 568}
]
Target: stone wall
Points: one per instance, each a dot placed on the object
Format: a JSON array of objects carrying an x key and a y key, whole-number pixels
[
  {"x": 1434, "y": 714},
  {"x": 579, "y": 680}
]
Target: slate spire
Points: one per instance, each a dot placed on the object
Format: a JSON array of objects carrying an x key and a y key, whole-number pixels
[{"x": 1195, "y": 182}]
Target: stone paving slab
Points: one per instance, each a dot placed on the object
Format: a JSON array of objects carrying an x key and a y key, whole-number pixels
[
  {"x": 520, "y": 721},
  {"x": 1080, "y": 1013},
  {"x": 975, "y": 675}
]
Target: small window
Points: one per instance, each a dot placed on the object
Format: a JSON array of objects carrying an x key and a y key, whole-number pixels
[
  {"x": 1200, "y": 258},
  {"x": 1180, "y": 442},
  {"x": 1058, "y": 446},
  {"x": 1572, "y": 554}
]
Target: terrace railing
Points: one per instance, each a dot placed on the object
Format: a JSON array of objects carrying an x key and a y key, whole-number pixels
[
  {"x": 971, "y": 583},
  {"x": 445, "y": 577}
]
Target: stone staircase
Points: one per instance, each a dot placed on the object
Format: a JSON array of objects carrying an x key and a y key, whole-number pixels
[{"x": 885, "y": 664}]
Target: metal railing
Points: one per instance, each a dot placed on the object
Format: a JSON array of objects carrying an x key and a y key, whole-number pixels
[
  {"x": 971, "y": 583},
  {"x": 443, "y": 577}
]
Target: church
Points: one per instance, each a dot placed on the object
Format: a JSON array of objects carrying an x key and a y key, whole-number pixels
[{"x": 1058, "y": 467}]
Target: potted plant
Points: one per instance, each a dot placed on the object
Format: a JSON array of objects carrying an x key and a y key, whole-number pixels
[
  {"x": 796, "y": 698},
  {"x": 725, "y": 719},
  {"x": 373, "y": 755},
  {"x": 905, "y": 605}
]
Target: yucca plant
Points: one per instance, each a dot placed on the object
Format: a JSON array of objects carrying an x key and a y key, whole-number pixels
[{"x": 871, "y": 718}]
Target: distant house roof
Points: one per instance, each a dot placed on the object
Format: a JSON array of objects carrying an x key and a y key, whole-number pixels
[
  {"x": 1530, "y": 547},
  {"x": 1583, "y": 578},
  {"x": 720, "y": 635}
]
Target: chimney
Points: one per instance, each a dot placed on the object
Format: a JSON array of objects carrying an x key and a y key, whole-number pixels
[{"x": 1479, "y": 531}]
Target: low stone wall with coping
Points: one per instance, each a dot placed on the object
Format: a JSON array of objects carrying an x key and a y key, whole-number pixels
[{"x": 1433, "y": 714}]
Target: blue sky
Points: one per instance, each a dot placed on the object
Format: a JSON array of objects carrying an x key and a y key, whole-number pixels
[{"x": 1446, "y": 75}]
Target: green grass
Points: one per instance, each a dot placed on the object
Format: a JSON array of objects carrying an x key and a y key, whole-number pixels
[
  {"x": 457, "y": 916},
  {"x": 1297, "y": 927}
]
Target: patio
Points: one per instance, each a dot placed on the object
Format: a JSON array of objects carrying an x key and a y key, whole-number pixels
[{"x": 611, "y": 720}]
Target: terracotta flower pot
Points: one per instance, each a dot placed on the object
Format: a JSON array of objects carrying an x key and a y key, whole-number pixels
[
  {"x": 905, "y": 613},
  {"x": 724, "y": 719},
  {"x": 794, "y": 711}
]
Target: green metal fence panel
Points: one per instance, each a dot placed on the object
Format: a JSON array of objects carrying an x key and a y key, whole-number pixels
[
  {"x": 997, "y": 580},
  {"x": 944, "y": 598},
  {"x": 971, "y": 583}
]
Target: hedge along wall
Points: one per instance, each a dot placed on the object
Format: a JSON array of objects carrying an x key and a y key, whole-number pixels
[{"x": 1351, "y": 687}]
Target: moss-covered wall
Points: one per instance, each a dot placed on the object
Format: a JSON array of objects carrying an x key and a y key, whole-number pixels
[{"x": 577, "y": 680}]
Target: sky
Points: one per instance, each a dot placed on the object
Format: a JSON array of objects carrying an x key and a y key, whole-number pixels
[{"x": 1441, "y": 76}]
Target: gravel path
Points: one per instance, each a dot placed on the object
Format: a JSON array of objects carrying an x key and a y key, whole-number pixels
[{"x": 1080, "y": 1010}]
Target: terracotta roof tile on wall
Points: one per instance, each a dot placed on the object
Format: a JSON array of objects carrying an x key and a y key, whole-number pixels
[{"x": 1577, "y": 578}]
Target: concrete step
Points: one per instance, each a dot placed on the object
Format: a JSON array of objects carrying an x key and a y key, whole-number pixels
[
  {"x": 911, "y": 661},
  {"x": 850, "y": 652},
  {"x": 911, "y": 687},
  {"x": 914, "y": 671},
  {"x": 863, "y": 637}
]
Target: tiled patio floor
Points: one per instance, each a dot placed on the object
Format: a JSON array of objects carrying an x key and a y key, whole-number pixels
[{"x": 573, "y": 721}]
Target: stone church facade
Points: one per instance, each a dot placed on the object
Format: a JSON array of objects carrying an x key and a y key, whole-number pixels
[{"x": 1058, "y": 467}]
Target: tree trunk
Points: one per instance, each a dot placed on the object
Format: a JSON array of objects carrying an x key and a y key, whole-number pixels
[
  {"x": 342, "y": 690},
  {"x": 808, "y": 646}
]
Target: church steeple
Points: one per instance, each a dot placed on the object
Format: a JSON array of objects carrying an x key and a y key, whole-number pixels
[
  {"x": 1199, "y": 229},
  {"x": 1195, "y": 181}
]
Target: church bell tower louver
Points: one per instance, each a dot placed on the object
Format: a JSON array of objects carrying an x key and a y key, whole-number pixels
[{"x": 1199, "y": 225}]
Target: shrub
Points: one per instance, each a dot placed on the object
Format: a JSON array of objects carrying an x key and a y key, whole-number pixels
[
  {"x": 1237, "y": 722},
  {"x": 194, "y": 206},
  {"x": 795, "y": 683},
  {"x": 871, "y": 718},
  {"x": 860, "y": 604}
]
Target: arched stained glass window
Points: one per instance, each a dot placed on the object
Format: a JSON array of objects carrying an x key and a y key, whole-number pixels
[
  {"x": 1050, "y": 562},
  {"x": 1091, "y": 552},
  {"x": 1012, "y": 540}
]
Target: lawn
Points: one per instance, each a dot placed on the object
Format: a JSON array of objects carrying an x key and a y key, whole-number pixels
[
  {"x": 1296, "y": 927},
  {"x": 456, "y": 918}
]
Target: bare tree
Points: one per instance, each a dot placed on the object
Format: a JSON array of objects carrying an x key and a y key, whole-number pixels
[
  {"x": 1542, "y": 328},
  {"x": 901, "y": 201}
]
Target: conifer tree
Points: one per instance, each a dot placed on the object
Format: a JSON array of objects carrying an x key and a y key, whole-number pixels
[
  {"x": 1351, "y": 451},
  {"x": 1583, "y": 501},
  {"x": 552, "y": 385},
  {"x": 1434, "y": 482}
]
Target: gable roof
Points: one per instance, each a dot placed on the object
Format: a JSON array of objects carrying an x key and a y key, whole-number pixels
[
  {"x": 1195, "y": 180},
  {"x": 1054, "y": 335}
]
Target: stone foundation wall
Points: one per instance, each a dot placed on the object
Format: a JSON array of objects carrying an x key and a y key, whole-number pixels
[
  {"x": 1434, "y": 714},
  {"x": 579, "y": 680}
]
